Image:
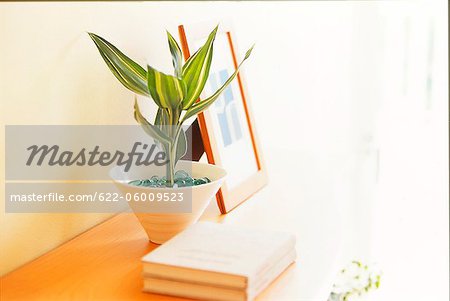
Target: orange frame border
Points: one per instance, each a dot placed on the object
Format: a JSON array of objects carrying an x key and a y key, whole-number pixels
[{"x": 228, "y": 199}]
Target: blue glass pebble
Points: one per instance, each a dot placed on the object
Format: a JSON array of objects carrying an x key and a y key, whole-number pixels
[{"x": 181, "y": 179}]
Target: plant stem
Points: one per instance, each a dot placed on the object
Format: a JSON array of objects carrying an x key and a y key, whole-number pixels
[
  {"x": 171, "y": 149},
  {"x": 170, "y": 171}
]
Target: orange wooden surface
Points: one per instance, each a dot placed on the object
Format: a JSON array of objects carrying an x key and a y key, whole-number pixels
[
  {"x": 100, "y": 264},
  {"x": 104, "y": 263}
]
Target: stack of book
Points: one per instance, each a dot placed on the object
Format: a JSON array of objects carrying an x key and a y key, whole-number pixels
[{"x": 212, "y": 261}]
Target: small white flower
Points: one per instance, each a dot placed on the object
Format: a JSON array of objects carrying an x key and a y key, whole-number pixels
[{"x": 354, "y": 280}]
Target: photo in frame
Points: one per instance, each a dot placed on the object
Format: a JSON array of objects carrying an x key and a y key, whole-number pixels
[{"x": 227, "y": 127}]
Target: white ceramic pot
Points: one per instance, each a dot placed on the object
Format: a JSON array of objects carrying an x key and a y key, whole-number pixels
[{"x": 160, "y": 227}]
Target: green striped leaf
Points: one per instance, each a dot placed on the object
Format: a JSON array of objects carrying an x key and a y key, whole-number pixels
[
  {"x": 166, "y": 90},
  {"x": 151, "y": 130},
  {"x": 204, "y": 104},
  {"x": 128, "y": 72},
  {"x": 161, "y": 121},
  {"x": 161, "y": 118},
  {"x": 177, "y": 57},
  {"x": 181, "y": 146},
  {"x": 196, "y": 71}
]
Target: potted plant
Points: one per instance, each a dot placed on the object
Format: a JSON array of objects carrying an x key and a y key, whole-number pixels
[{"x": 176, "y": 97}]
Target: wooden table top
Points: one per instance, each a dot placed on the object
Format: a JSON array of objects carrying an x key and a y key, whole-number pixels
[{"x": 103, "y": 263}]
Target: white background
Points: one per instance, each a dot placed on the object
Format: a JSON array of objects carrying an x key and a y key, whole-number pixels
[{"x": 338, "y": 89}]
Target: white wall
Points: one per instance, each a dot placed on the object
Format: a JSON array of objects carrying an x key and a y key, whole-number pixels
[
  {"x": 411, "y": 205},
  {"x": 324, "y": 82}
]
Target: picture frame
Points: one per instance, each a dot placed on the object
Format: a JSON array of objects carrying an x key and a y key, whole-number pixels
[{"x": 227, "y": 127}]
